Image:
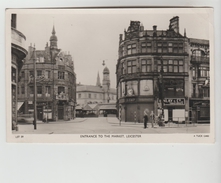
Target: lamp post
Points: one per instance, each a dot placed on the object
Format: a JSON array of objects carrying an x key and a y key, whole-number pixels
[
  {"x": 161, "y": 87},
  {"x": 35, "y": 110}
]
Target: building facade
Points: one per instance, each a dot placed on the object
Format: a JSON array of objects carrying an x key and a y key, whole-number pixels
[
  {"x": 95, "y": 96},
  {"x": 18, "y": 53},
  {"x": 153, "y": 72},
  {"x": 199, "y": 79},
  {"x": 55, "y": 80}
]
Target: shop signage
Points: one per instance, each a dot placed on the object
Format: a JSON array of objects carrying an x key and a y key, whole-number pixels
[{"x": 174, "y": 101}]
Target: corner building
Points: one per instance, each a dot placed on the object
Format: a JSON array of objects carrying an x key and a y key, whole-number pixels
[
  {"x": 18, "y": 53},
  {"x": 142, "y": 54},
  {"x": 55, "y": 80}
]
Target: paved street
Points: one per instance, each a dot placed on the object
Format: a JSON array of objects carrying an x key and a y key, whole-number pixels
[{"x": 109, "y": 125}]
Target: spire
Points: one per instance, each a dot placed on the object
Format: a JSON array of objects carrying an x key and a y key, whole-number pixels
[
  {"x": 53, "y": 31},
  {"x": 53, "y": 39},
  {"x": 185, "y": 32},
  {"x": 98, "y": 80}
]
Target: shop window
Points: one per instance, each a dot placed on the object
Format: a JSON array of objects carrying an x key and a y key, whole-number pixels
[
  {"x": 146, "y": 87},
  {"x": 60, "y": 75},
  {"x": 131, "y": 67},
  {"x": 132, "y": 88},
  {"x": 146, "y": 65},
  {"x": 173, "y": 87}
]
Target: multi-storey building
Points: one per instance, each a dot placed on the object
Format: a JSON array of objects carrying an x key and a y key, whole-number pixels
[
  {"x": 97, "y": 97},
  {"x": 18, "y": 53},
  {"x": 96, "y": 94},
  {"x": 199, "y": 79},
  {"x": 55, "y": 80},
  {"x": 153, "y": 66}
]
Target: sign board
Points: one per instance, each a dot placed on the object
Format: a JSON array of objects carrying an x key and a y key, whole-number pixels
[{"x": 174, "y": 101}]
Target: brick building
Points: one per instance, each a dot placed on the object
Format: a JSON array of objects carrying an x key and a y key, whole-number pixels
[
  {"x": 55, "y": 80},
  {"x": 154, "y": 66}
]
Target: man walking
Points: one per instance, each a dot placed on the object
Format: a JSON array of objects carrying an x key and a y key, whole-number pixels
[{"x": 146, "y": 111}]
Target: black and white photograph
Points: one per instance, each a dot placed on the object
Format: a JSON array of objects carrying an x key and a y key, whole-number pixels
[{"x": 125, "y": 75}]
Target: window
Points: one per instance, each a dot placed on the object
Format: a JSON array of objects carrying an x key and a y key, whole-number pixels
[
  {"x": 194, "y": 71},
  {"x": 123, "y": 68},
  {"x": 177, "y": 47},
  {"x": 47, "y": 90},
  {"x": 22, "y": 74},
  {"x": 22, "y": 90},
  {"x": 61, "y": 89},
  {"x": 132, "y": 88},
  {"x": 131, "y": 49},
  {"x": 39, "y": 73},
  {"x": 95, "y": 95},
  {"x": 204, "y": 72},
  {"x": 60, "y": 75},
  {"x": 47, "y": 74},
  {"x": 131, "y": 67},
  {"x": 79, "y": 95},
  {"x": 13, "y": 75},
  {"x": 170, "y": 47},
  {"x": 146, "y": 87},
  {"x": 171, "y": 65},
  {"x": 197, "y": 53},
  {"x": 39, "y": 89},
  {"x": 146, "y": 47},
  {"x": 146, "y": 65},
  {"x": 194, "y": 90},
  {"x": 89, "y": 95},
  {"x": 31, "y": 89},
  {"x": 173, "y": 87}
]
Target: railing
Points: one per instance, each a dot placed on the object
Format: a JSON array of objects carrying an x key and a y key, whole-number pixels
[{"x": 200, "y": 59}]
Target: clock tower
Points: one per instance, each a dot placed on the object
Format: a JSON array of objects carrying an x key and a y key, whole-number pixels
[
  {"x": 106, "y": 79},
  {"x": 53, "y": 40}
]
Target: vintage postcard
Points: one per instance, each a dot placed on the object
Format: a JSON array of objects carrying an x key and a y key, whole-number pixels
[{"x": 96, "y": 75}]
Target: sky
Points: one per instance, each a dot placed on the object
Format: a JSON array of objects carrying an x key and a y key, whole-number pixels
[{"x": 92, "y": 35}]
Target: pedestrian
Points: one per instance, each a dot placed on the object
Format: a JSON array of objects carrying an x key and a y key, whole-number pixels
[
  {"x": 145, "y": 117},
  {"x": 152, "y": 118}
]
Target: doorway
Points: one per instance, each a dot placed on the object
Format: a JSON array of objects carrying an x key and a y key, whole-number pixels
[
  {"x": 60, "y": 112},
  {"x": 170, "y": 114}
]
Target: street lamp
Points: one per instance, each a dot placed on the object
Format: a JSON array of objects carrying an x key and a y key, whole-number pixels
[
  {"x": 161, "y": 87},
  {"x": 35, "y": 92}
]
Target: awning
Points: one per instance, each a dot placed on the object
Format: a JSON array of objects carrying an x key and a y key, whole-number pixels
[{"x": 19, "y": 104}]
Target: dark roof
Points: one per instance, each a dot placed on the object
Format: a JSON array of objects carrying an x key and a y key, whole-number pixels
[{"x": 199, "y": 41}]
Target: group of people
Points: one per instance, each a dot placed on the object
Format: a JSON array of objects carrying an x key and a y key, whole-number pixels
[{"x": 153, "y": 119}]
